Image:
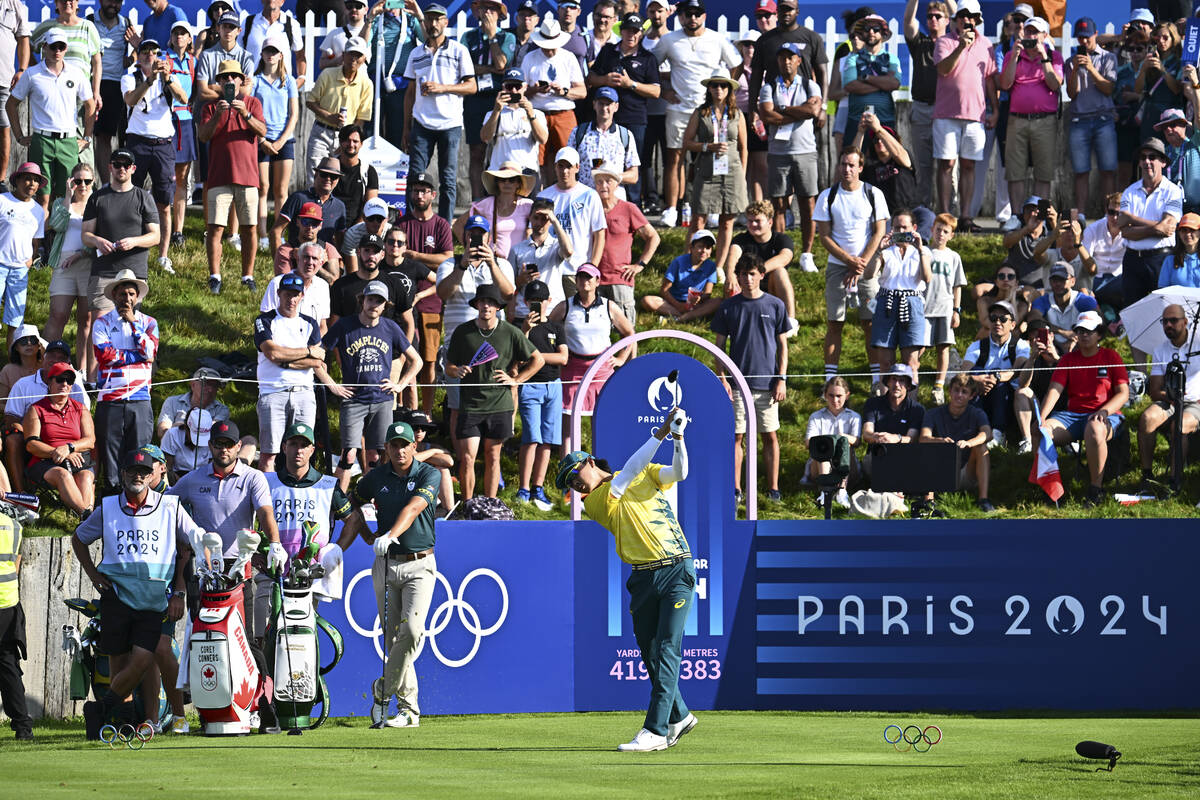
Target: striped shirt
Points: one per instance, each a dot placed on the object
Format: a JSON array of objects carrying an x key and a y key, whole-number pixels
[{"x": 125, "y": 354}]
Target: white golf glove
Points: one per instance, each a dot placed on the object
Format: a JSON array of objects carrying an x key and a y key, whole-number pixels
[
  {"x": 277, "y": 557},
  {"x": 331, "y": 559},
  {"x": 678, "y": 422},
  {"x": 382, "y": 543}
]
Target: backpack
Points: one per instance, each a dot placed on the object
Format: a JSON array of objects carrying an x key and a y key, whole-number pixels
[
  {"x": 867, "y": 193},
  {"x": 480, "y": 507},
  {"x": 284, "y": 16},
  {"x": 582, "y": 130},
  {"x": 985, "y": 347}
]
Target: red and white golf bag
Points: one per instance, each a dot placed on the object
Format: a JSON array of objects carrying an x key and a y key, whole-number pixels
[{"x": 225, "y": 682}]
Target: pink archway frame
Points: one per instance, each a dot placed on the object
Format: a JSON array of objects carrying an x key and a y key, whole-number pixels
[{"x": 747, "y": 402}]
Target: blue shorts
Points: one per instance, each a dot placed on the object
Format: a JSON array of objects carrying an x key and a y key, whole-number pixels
[
  {"x": 886, "y": 329},
  {"x": 13, "y": 283},
  {"x": 541, "y": 409},
  {"x": 1076, "y": 421},
  {"x": 286, "y": 153},
  {"x": 185, "y": 141},
  {"x": 1095, "y": 135}
]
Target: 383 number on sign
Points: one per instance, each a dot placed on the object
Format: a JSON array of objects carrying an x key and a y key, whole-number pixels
[{"x": 699, "y": 669}]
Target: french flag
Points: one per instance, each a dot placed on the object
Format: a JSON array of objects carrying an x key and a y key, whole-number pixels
[{"x": 1044, "y": 471}]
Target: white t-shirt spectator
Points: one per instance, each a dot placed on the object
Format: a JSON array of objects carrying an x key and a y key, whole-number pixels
[
  {"x": 1162, "y": 356},
  {"x": 354, "y": 235},
  {"x": 1109, "y": 251},
  {"x": 53, "y": 107},
  {"x": 947, "y": 268},
  {"x": 822, "y": 423},
  {"x": 562, "y": 68},
  {"x": 335, "y": 41},
  {"x": 580, "y": 213},
  {"x": 692, "y": 59},
  {"x": 22, "y": 223},
  {"x": 256, "y": 28},
  {"x": 794, "y": 138},
  {"x": 901, "y": 270},
  {"x": 852, "y": 216},
  {"x": 150, "y": 116},
  {"x": 315, "y": 302},
  {"x": 457, "y": 309},
  {"x": 450, "y": 63},
  {"x": 298, "y": 331},
  {"x": 1166, "y": 199},
  {"x": 550, "y": 270},
  {"x": 513, "y": 140}
]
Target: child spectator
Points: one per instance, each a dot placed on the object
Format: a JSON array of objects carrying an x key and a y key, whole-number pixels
[
  {"x": 834, "y": 420},
  {"x": 688, "y": 281},
  {"x": 541, "y": 399},
  {"x": 943, "y": 298}
]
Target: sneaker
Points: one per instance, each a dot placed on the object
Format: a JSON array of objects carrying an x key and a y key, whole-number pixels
[
  {"x": 177, "y": 239},
  {"x": 1094, "y": 497},
  {"x": 998, "y": 440},
  {"x": 1026, "y": 446},
  {"x": 541, "y": 500},
  {"x": 180, "y": 725},
  {"x": 677, "y": 730},
  {"x": 842, "y": 498},
  {"x": 739, "y": 497},
  {"x": 939, "y": 395},
  {"x": 774, "y": 496},
  {"x": 264, "y": 244},
  {"x": 24, "y": 736},
  {"x": 523, "y": 496},
  {"x": 165, "y": 265},
  {"x": 806, "y": 263},
  {"x": 985, "y": 505},
  {"x": 405, "y": 719},
  {"x": 1012, "y": 224},
  {"x": 249, "y": 282},
  {"x": 92, "y": 721},
  {"x": 669, "y": 217},
  {"x": 235, "y": 242},
  {"x": 793, "y": 327},
  {"x": 645, "y": 742},
  {"x": 967, "y": 225},
  {"x": 214, "y": 284},
  {"x": 821, "y": 500}
]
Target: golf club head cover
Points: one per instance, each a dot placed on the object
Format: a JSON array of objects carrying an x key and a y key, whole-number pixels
[{"x": 210, "y": 549}]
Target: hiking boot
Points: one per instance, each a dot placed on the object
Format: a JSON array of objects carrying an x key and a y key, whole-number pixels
[{"x": 774, "y": 496}]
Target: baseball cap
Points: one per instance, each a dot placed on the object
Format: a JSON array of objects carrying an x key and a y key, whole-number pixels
[
  {"x": 400, "y": 430},
  {"x": 790, "y": 47},
  {"x": 569, "y": 3},
  {"x": 434, "y": 8},
  {"x": 537, "y": 290},
  {"x": 588, "y": 269},
  {"x": 1190, "y": 220},
  {"x": 423, "y": 178},
  {"x": 206, "y": 374},
  {"x": 765, "y": 5},
  {"x": 312, "y": 211},
  {"x": 1023, "y": 9},
  {"x": 60, "y": 368},
  {"x": 54, "y": 36},
  {"x": 149, "y": 44},
  {"x": 1033, "y": 200},
  {"x": 607, "y": 93},
  {"x": 301, "y": 429},
  {"x": 632, "y": 21},
  {"x": 696, "y": 5},
  {"x": 419, "y": 419},
  {"x": 703, "y": 234},
  {"x": 1038, "y": 24},
  {"x": 1089, "y": 321},
  {"x": 61, "y": 346},
  {"x": 1062, "y": 269},
  {"x": 121, "y": 154},
  {"x": 375, "y": 207},
  {"x": 1085, "y": 26},
  {"x": 136, "y": 458},
  {"x": 568, "y": 154},
  {"x": 514, "y": 75},
  {"x": 199, "y": 424},
  {"x": 370, "y": 240},
  {"x": 291, "y": 282},
  {"x": 478, "y": 221},
  {"x": 356, "y": 44},
  {"x": 230, "y": 18},
  {"x": 377, "y": 289},
  {"x": 225, "y": 430},
  {"x": 1004, "y": 306},
  {"x": 154, "y": 451},
  {"x": 662, "y": 3},
  {"x": 1141, "y": 15},
  {"x": 568, "y": 463},
  {"x": 181, "y": 24},
  {"x": 528, "y": 7},
  {"x": 278, "y": 41}
]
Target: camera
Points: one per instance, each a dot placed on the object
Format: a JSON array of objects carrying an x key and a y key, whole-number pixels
[
  {"x": 1029, "y": 44},
  {"x": 903, "y": 237},
  {"x": 835, "y": 450}
]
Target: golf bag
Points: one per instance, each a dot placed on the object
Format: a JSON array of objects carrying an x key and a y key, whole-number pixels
[
  {"x": 292, "y": 645},
  {"x": 90, "y": 671},
  {"x": 225, "y": 682}
]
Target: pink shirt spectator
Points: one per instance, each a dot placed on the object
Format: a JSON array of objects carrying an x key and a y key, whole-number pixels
[
  {"x": 507, "y": 230},
  {"x": 623, "y": 222},
  {"x": 960, "y": 95},
  {"x": 1029, "y": 93}
]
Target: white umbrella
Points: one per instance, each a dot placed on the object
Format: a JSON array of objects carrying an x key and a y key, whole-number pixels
[{"x": 1143, "y": 319}]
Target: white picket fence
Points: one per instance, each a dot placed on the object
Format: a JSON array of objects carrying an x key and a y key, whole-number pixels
[{"x": 734, "y": 29}]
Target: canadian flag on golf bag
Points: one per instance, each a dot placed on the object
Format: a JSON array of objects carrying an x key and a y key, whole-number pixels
[{"x": 1044, "y": 471}]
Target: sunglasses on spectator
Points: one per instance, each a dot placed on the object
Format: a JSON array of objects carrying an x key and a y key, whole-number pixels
[
  {"x": 874, "y": 29},
  {"x": 763, "y": 16},
  {"x": 1112, "y": 212},
  {"x": 691, "y": 12},
  {"x": 1006, "y": 276},
  {"x": 1020, "y": 18},
  {"x": 935, "y": 15},
  {"x": 81, "y": 181},
  {"x": 26, "y": 340},
  {"x": 396, "y": 242},
  {"x": 998, "y": 318},
  {"x": 1136, "y": 49},
  {"x": 66, "y": 377},
  {"x": 309, "y": 222},
  {"x": 1173, "y": 320},
  {"x": 57, "y": 46}
]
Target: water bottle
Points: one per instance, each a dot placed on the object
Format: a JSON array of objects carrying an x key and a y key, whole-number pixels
[{"x": 685, "y": 217}]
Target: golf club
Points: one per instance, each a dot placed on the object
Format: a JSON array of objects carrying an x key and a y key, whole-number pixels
[
  {"x": 387, "y": 561},
  {"x": 295, "y": 731}
]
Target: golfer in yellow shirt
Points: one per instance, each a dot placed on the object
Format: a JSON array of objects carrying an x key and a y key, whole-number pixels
[{"x": 631, "y": 504}]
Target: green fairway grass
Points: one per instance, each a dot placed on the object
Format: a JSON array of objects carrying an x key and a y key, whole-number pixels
[{"x": 729, "y": 754}]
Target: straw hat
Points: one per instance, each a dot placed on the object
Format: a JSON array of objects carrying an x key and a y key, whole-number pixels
[
  {"x": 721, "y": 75},
  {"x": 509, "y": 169}
]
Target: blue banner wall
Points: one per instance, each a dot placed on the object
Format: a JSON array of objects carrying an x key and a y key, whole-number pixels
[{"x": 1065, "y": 614}]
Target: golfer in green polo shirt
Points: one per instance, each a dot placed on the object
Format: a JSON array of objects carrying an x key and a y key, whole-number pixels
[{"x": 405, "y": 492}]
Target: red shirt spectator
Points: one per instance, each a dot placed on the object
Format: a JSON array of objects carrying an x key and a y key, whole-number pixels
[
  {"x": 1088, "y": 389},
  {"x": 233, "y": 148},
  {"x": 60, "y": 425}
]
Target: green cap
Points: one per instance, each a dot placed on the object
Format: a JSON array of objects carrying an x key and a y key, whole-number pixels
[
  {"x": 401, "y": 430},
  {"x": 568, "y": 463},
  {"x": 304, "y": 431}
]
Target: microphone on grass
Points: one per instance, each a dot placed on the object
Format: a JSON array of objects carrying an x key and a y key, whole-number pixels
[{"x": 1099, "y": 751}]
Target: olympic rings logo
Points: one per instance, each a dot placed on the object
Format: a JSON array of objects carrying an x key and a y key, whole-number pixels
[
  {"x": 441, "y": 617},
  {"x": 133, "y": 738},
  {"x": 913, "y": 737}
]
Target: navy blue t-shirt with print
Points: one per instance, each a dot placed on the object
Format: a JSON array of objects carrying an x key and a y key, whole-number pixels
[
  {"x": 366, "y": 354},
  {"x": 752, "y": 327}
]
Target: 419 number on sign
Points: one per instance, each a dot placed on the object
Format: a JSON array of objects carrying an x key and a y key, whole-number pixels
[{"x": 699, "y": 669}]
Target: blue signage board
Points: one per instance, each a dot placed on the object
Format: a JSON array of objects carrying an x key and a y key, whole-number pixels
[
  {"x": 1065, "y": 614},
  {"x": 1191, "y": 42}
]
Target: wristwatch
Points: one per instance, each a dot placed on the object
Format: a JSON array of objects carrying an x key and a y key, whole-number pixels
[{"x": 70, "y": 447}]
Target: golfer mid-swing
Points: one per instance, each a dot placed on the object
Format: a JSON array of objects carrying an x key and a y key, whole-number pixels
[{"x": 631, "y": 504}]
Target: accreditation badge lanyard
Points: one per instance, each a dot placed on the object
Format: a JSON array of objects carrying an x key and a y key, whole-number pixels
[
  {"x": 784, "y": 93},
  {"x": 720, "y": 132},
  {"x": 484, "y": 81}
]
